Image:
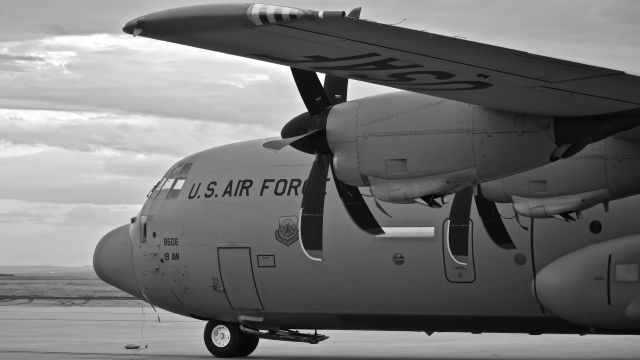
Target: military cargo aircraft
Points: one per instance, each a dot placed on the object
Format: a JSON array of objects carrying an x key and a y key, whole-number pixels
[{"x": 496, "y": 193}]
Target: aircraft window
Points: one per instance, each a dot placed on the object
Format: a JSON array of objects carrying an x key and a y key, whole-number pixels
[
  {"x": 164, "y": 189},
  {"x": 175, "y": 190},
  {"x": 157, "y": 188},
  {"x": 167, "y": 184},
  {"x": 180, "y": 170},
  {"x": 154, "y": 188},
  {"x": 179, "y": 184},
  {"x": 185, "y": 169},
  {"x": 627, "y": 273}
]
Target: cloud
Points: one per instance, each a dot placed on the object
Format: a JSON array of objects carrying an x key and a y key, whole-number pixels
[
  {"x": 52, "y": 233},
  {"x": 99, "y": 158},
  {"x": 118, "y": 132},
  {"x": 104, "y": 72},
  {"x": 58, "y": 175}
]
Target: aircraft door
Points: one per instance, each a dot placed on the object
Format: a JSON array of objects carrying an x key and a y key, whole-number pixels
[
  {"x": 457, "y": 242},
  {"x": 149, "y": 250},
  {"x": 238, "y": 281}
]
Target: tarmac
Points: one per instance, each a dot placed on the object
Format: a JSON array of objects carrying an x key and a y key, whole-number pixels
[{"x": 99, "y": 330}]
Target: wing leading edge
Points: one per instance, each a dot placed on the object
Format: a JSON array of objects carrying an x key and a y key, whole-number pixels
[{"x": 446, "y": 67}]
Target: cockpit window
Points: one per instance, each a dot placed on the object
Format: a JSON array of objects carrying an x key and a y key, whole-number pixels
[
  {"x": 180, "y": 170},
  {"x": 178, "y": 184},
  {"x": 164, "y": 189},
  {"x": 156, "y": 188},
  {"x": 167, "y": 184},
  {"x": 171, "y": 185}
]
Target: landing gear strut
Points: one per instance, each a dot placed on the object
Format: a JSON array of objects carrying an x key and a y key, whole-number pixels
[{"x": 227, "y": 340}]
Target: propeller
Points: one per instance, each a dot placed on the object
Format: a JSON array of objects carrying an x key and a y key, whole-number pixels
[
  {"x": 307, "y": 133},
  {"x": 492, "y": 221},
  {"x": 459, "y": 223}
]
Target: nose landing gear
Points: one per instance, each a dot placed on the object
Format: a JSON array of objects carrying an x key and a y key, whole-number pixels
[{"x": 226, "y": 340}]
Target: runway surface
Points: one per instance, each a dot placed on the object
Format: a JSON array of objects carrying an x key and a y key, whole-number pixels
[{"x": 51, "y": 330}]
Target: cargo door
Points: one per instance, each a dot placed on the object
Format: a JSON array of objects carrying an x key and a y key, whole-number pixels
[{"x": 236, "y": 271}]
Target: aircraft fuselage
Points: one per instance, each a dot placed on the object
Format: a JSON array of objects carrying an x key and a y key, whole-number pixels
[{"x": 226, "y": 246}]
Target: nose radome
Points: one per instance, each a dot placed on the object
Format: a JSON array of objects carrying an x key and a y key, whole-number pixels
[{"x": 113, "y": 261}]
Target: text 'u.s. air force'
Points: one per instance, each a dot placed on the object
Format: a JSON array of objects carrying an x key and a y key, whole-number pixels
[{"x": 245, "y": 188}]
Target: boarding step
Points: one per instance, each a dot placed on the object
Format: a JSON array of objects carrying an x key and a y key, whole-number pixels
[{"x": 285, "y": 335}]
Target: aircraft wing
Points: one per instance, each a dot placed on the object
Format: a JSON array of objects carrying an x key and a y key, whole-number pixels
[{"x": 442, "y": 66}]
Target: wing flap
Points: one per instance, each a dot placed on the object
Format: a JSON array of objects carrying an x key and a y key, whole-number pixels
[{"x": 447, "y": 67}]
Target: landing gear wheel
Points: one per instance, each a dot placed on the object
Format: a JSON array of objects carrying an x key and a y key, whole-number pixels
[{"x": 226, "y": 340}]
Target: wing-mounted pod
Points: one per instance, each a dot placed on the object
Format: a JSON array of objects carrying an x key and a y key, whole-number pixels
[{"x": 559, "y": 206}]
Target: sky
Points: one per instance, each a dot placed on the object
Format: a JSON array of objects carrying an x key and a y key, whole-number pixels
[{"x": 91, "y": 118}]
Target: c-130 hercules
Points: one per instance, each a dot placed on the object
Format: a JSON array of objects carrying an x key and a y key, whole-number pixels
[{"x": 506, "y": 203}]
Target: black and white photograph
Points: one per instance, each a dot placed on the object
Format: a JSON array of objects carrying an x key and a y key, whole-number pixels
[{"x": 408, "y": 179}]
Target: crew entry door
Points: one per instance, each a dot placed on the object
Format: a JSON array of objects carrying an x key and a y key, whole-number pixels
[{"x": 236, "y": 271}]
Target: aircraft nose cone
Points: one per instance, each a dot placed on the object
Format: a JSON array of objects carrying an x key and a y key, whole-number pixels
[{"x": 113, "y": 261}]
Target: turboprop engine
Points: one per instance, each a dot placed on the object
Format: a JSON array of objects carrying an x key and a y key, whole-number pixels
[
  {"x": 602, "y": 172},
  {"x": 408, "y": 146}
]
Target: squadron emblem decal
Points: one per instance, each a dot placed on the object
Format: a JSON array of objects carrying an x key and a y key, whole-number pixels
[{"x": 287, "y": 231}]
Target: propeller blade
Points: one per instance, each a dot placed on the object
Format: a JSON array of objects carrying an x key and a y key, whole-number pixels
[
  {"x": 313, "y": 94},
  {"x": 459, "y": 224},
  {"x": 279, "y": 144},
  {"x": 432, "y": 201},
  {"x": 356, "y": 207},
  {"x": 336, "y": 88},
  {"x": 379, "y": 206},
  {"x": 492, "y": 222},
  {"x": 312, "y": 212}
]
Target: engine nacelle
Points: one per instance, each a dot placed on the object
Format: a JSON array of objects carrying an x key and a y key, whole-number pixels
[
  {"x": 602, "y": 172},
  {"x": 551, "y": 206},
  {"x": 406, "y": 146},
  {"x": 597, "y": 286}
]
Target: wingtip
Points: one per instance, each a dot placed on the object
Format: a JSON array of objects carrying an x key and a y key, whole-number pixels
[{"x": 134, "y": 27}]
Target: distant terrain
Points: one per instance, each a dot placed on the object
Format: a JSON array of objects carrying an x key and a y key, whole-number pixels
[
  {"x": 55, "y": 282},
  {"x": 46, "y": 269}
]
